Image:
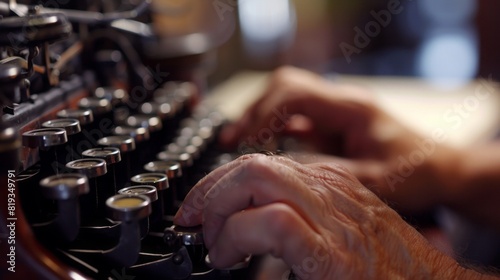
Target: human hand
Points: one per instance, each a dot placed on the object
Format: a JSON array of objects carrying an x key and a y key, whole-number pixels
[
  {"x": 341, "y": 120},
  {"x": 318, "y": 218}
]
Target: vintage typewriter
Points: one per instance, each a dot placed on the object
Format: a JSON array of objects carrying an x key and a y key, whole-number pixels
[{"x": 103, "y": 132}]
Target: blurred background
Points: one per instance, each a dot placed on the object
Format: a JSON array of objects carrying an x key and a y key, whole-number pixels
[{"x": 447, "y": 42}]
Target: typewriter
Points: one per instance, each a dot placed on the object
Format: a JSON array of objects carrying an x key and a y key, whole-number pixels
[{"x": 103, "y": 132}]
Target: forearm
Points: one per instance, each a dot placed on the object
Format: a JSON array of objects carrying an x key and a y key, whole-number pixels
[{"x": 415, "y": 258}]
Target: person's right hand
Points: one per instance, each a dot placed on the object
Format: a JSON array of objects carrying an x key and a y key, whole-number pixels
[
  {"x": 316, "y": 217},
  {"x": 344, "y": 121}
]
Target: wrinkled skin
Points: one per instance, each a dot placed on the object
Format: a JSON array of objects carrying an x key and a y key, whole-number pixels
[{"x": 317, "y": 217}]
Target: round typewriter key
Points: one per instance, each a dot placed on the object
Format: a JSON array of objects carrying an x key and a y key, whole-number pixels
[
  {"x": 84, "y": 116},
  {"x": 133, "y": 212},
  {"x": 198, "y": 142},
  {"x": 187, "y": 132},
  {"x": 73, "y": 129},
  {"x": 173, "y": 170},
  {"x": 64, "y": 186},
  {"x": 154, "y": 125},
  {"x": 51, "y": 143},
  {"x": 112, "y": 156},
  {"x": 194, "y": 151},
  {"x": 99, "y": 106},
  {"x": 103, "y": 113},
  {"x": 186, "y": 161},
  {"x": 163, "y": 96},
  {"x": 146, "y": 190},
  {"x": 140, "y": 134},
  {"x": 45, "y": 138},
  {"x": 164, "y": 205},
  {"x": 126, "y": 145},
  {"x": 206, "y": 133},
  {"x": 66, "y": 190},
  {"x": 162, "y": 110},
  {"x": 127, "y": 208},
  {"x": 89, "y": 167},
  {"x": 94, "y": 169},
  {"x": 123, "y": 142},
  {"x": 170, "y": 168},
  {"x": 149, "y": 122},
  {"x": 72, "y": 126},
  {"x": 166, "y": 114},
  {"x": 151, "y": 193},
  {"x": 114, "y": 95},
  {"x": 158, "y": 180}
]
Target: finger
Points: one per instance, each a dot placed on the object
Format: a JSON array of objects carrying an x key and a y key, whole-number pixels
[
  {"x": 189, "y": 213},
  {"x": 275, "y": 229},
  {"x": 257, "y": 182}
]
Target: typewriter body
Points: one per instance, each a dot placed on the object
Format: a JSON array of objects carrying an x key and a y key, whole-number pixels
[{"x": 103, "y": 132}]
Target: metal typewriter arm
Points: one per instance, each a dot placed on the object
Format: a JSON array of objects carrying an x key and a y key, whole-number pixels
[{"x": 85, "y": 17}]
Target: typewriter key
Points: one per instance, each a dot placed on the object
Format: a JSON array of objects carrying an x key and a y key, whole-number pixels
[
  {"x": 50, "y": 143},
  {"x": 186, "y": 161},
  {"x": 173, "y": 170},
  {"x": 146, "y": 190},
  {"x": 93, "y": 203},
  {"x": 152, "y": 123},
  {"x": 130, "y": 210},
  {"x": 45, "y": 138},
  {"x": 112, "y": 156},
  {"x": 117, "y": 97},
  {"x": 73, "y": 129},
  {"x": 84, "y": 116},
  {"x": 166, "y": 114},
  {"x": 140, "y": 134},
  {"x": 126, "y": 145},
  {"x": 163, "y": 206},
  {"x": 102, "y": 111},
  {"x": 127, "y": 208},
  {"x": 141, "y": 137},
  {"x": 64, "y": 186},
  {"x": 99, "y": 106},
  {"x": 66, "y": 190},
  {"x": 152, "y": 194}
]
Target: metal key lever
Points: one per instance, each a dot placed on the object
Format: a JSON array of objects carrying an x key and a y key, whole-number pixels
[
  {"x": 129, "y": 210},
  {"x": 65, "y": 189},
  {"x": 177, "y": 266},
  {"x": 176, "y": 236}
]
